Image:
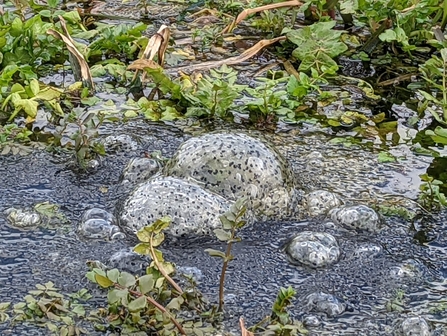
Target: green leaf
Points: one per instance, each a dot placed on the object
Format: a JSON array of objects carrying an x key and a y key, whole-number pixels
[
  {"x": 222, "y": 235},
  {"x": 28, "y": 105},
  {"x": 138, "y": 303},
  {"x": 72, "y": 17},
  {"x": 113, "y": 274},
  {"x": 158, "y": 255},
  {"x": 16, "y": 27},
  {"x": 146, "y": 283},
  {"x": 158, "y": 239},
  {"x": 34, "y": 86},
  {"x": 126, "y": 279},
  {"x": 215, "y": 253},
  {"x": 161, "y": 224},
  {"x": 388, "y": 36},
  {"x": 145, "y": 233},
  {"x": 4, "y": 305},
  {"x": 386, "y": 157},
  {"x": 17, "y": 87},
  {"x": 226, "y": 223},
  {"x": 52, "y": 3},
  {"x": 142, "y": 248},
  {"x": 175, "y": 303},
  {"x": 103, "y": 281},
  {"x": 116, "y": 295},
  {"x": 48, "y": 94}
]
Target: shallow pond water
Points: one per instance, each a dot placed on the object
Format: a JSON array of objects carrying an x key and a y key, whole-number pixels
[{"x": 404, "y": 256}]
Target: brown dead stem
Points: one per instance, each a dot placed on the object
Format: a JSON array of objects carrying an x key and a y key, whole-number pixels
[
  {"x": 78, "y": 63},
  {"x": 247, "y": 12},
  {"x": 156, "y": 46},
  {"x": 229, "y": 61},
  {"x": 244, "y": 331}
]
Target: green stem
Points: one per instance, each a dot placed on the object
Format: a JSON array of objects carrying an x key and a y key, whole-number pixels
[{"x": 222, "y": 274}]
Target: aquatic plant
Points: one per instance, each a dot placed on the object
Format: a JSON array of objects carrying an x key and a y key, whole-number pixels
[
  {"x": 430, "y": 195},
  {"x": 48, "y": 308},
  {"x": 317, "y": 45},
  {"x": 232, "y": 221}
]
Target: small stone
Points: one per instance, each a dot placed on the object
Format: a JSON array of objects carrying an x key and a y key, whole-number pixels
[
  {"x": 319, "y": 202},
  {"x": 139, "y": 169},
  {"x": 122, "y": 142},
  {"x": 415, "y": 326},
  {"x": 326, "y": 303},
  {"x": 129, "y": 261},
  {"x": 315, "y": 249},
  {"x": 356, "y": 217}
]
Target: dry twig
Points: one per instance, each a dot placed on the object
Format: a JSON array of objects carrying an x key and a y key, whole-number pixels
[{"x": 247, "y": 12}]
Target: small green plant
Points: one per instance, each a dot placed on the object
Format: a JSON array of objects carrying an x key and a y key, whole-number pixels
[
  {"x": 431, "y": 197},
  {"x": 82, "y": 128},
  {"x": 397, "y": 303},
  {"x": 214, "y": 94},
  {"x": 232, "y": 221},
  {"x": 268, "y": 100},
  {"x": 279, "y": 322},
  {"x": 317, "y": 45},
  {"x": 27, "y": 98},
  {"x": 434, "y": 72},
  {"x": 150, "y": 302},
  {"x": 209, "y": 96},
  {"x": 48, "y": 308}
]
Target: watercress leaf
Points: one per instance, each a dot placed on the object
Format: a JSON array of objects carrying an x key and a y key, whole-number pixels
[
  {"x": 386, "y": 157},
  {"x": 161, "y": 224},
  {"x": 116, "y": 295},
  {"x": 158, "y": 255},
  {"x": 34, "y": 86},
  {"x": 113, "y": 274},
  {"x": 48, "y": 93},
  {"x": 4, "y": 305},
  {"x": 126, "y": 279},
  {"x": 215, "y": 253},
  {"x": 145, "y": 233},
  {"x": 103, "y": 281},
  {"x": 158, "y": 239},
  {"x": 142, "y": 248},
  {"x": 441, "y": 131},
  {"x": 16, "y": 27},
  {"x": 138, "y": 303},
  {"x": 226, "y": 224},
  {"x": 91, "y": 276},
  {"x": 175, "y": 303},
  {"x": 52, "y": 3},
  {"x": 222, "y": 235},
  {"x": 72, "y": 17},
  {"x": 45, "y": 13},
  {"x": 388, "y": 36},
  {"x": 28, "y": 105},
  {"x": 146, "y": 283}
]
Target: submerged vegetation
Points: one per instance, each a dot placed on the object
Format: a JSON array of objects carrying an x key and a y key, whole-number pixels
[{"x": 152, "y": 303}]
